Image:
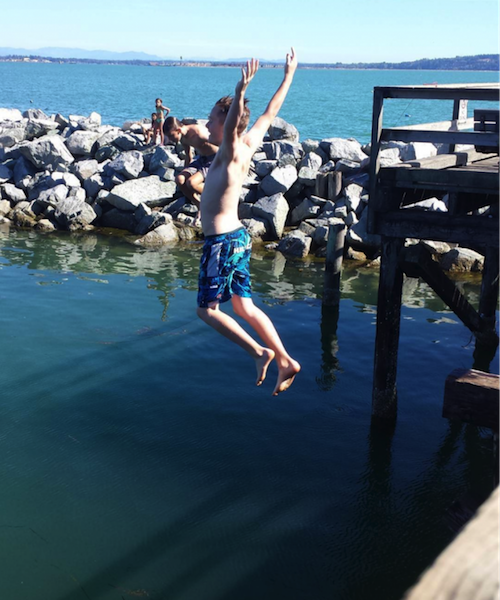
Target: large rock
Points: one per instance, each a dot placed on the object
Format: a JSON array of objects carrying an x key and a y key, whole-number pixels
[
  {"x": 256, "y": 227},
  {"x": 462, "y": 259},
  {"x": 163, "y": 157},
  {"x": 10, "y": 114},
  {"x": 359, "y": 239},
  {"x": 128, "y": 164},
  {"x": 164, "y": 234},
  {"x": 280, "y": 130},
  {"x": 152, "y": 221},
  {"x": 339, "y": 148},
  {"x": 4, "y": 207},
  {"x": 279, "y": 180},
  {"x": 13, "y": 193},
  {"x": 81, "y": 143},
  {"x": 274, "y": 210},
  {"x": 307, "y": 209},
  {"x": 38, "y": 128},
  {"x": 352, "y": 195},
  {"x": 296, "y": 243},
  {"x": 73, "y": 214},
  {"x": 84, "y": 169},
  {"x": 150, "y": 190},
  {"x": 47, "y": 151},
  {"x": 5, "y": 173},
  {"x": 53, "y": 196},
  {"x": 264, "y": 167},
  {"x": 118, "y": 219}
]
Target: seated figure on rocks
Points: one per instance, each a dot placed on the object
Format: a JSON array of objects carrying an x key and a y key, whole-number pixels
[{"x": 193, "y": 137}]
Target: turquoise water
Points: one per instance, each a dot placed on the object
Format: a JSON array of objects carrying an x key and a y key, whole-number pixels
[
  {"x": 138, "y": 460},
  {"x": 321, "y": 103}
]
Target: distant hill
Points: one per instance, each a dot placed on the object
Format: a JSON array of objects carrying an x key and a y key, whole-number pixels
[
  {"x": 480, "y": 62},
  {"x": 78, "y": 53}
]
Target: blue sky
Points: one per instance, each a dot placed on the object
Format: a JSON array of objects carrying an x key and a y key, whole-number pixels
[{"x": 320, "y": 30}]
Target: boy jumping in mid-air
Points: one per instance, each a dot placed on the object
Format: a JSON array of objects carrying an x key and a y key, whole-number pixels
[
  {"x": 224, "y": 268},
  {"x": 192, "y": 137}
]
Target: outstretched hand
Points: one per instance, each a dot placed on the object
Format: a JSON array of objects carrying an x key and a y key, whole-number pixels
[
  {"x": 247, "y": 74},
  {"x": 291, "y": 62}
]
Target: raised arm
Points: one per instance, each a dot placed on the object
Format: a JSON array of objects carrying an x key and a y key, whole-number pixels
[
  {"x": 256, "y": 134},
  {"x": 238, "y": 104}
]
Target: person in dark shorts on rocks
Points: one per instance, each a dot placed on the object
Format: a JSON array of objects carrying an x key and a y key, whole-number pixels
[
  {"x": 224, "y": 267},
  {"x": 193, "y": 137}
]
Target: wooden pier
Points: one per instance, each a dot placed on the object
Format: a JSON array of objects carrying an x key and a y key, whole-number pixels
[{"x": 470, "y": 180}]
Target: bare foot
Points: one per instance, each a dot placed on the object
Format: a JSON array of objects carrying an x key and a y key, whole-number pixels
[
  {"x": 262, "y": 363},
  {"x": 286, "y": 375}
]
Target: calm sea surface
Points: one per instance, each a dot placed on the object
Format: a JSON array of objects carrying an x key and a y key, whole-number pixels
[
  {"x": 321, "y": 103},
  {"x": 138, "y": 459}
]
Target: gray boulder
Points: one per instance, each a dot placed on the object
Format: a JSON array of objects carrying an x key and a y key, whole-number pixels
[
  {"x": 307, "y": 209},
  {"x": 352, "y": 195},
  {"x": 256, "y": 227},
  {"x": 13, "y": 193},
  {"x": 150, "y": 190},
  {"x": 4, "y": 207},
  {"x": 164, "y": 234},
  {"x": 264, "y": 167},
  {"x": 73, "y": 214},
  {"x": 81, "y": 143},
  {"x": 84, "y": 169},
  {"x": 163, "y": 158},
  {"x": 280, "y": 130},
  {"x": 274, "y": 210},
  {"x": 279, "y": 180},
  {"x": 358, "y": 237},
  {"x": 118, "y": 219},
  {"x": 339, "y": 148},
  {"x": 53, "y": 196},
  {"x": 296, "y": 243},
  {"x": 10, "y": 114},
  {"x": 127, "y": 141},
  {"x": 128, "y": 164},
  {"x": 462, "y": 259},
  {"x": 93, "y": 185},
  {"x": 152, "y": 221},
  {"x": 47, "y": 151},
  {"x": 5, "y": 173}
]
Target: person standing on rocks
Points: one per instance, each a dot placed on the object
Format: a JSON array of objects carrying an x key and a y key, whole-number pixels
[
  {"x": 161, "y": 114},
  {"x": 192, "y": 137},
  {"x": 224, "y": 267}
]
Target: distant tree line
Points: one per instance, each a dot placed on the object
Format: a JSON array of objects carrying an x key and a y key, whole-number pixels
[{"x": 481, "y": 62}]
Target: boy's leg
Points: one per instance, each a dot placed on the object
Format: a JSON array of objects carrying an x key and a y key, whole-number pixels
[
  {"x": 230, "y": 329},
  {"x": 262, "y": 324}
]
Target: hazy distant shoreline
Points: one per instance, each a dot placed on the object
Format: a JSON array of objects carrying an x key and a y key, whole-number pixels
[{"x": 483, "y": 62}]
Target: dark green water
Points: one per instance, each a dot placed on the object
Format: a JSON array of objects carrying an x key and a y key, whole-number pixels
[{"x": 138, "y": 460}]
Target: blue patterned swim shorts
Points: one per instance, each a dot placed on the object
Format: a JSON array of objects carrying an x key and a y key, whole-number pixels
[{"x": 224, "y": 267}]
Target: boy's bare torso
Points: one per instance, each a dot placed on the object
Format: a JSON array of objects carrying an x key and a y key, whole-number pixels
[
  {"x": 197, "y": 137},
  {"x": 222, "y": 190}
]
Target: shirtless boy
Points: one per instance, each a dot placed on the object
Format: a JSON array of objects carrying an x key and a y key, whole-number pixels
[
  {"x": 192, "y": 137},
  {"x": 224, "y": 268}
]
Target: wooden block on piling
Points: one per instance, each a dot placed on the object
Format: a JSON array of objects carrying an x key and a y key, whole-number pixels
[
  {"x": 321, "y": 188},
  {"x": 334, "y": 185},
  {"x": 473, "y": 397}
]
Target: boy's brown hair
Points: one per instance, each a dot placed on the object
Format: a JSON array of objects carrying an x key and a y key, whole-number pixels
[
  {"x": 171, "y": 123},
  {"x": 224, "y": 104}
]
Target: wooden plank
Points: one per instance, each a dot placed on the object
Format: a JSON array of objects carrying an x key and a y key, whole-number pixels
[
  {"x": 486, "y": 139},
  {"x": 474, "y": 179},
  {"x": 472, "y": 396},
  {"x": 486, "y": 114},
  {"x": 417, "y": 261},
  {"x": 384, "y": 398},
  {"x": 427, "y": 225},
  {"x": 489, "y": 286},
  {"x": 487, "y": 92},
  {"x": 445, "y": 161},
  {"x": 377, "y": 119},
  {"x": 453, "y": 125},
  {"x": 333, "y": 264},
  {"x": 459, "y": 114},
  {"x": 467, "y": 569}
]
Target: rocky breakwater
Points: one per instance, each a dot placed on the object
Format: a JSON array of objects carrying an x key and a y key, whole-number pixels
[{"x": 74, "y": 173}]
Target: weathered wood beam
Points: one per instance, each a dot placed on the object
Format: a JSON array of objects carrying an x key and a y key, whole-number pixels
[
  {"x": 333, "y": 264},
  {"x": 384, "y": 397},
  {"x": 427, "y": 225},
  {"x": 488, "y": 92},
  {"x": 486, "y": 138},
  {"x": 489, "y": 286},
  {"x": 417, "y": 261},
  {"x": 473, "y": 397}
]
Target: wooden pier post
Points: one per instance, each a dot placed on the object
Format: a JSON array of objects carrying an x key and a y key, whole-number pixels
[
  {"x": 489, "y": 287},
  {"x": 333, "y": 265},
  {"x": 384, "y": 401}
]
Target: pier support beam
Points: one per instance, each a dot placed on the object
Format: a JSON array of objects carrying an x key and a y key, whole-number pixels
[
  {"x": 333, "y": 265},
  {"x": 384, "y": 399}
]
